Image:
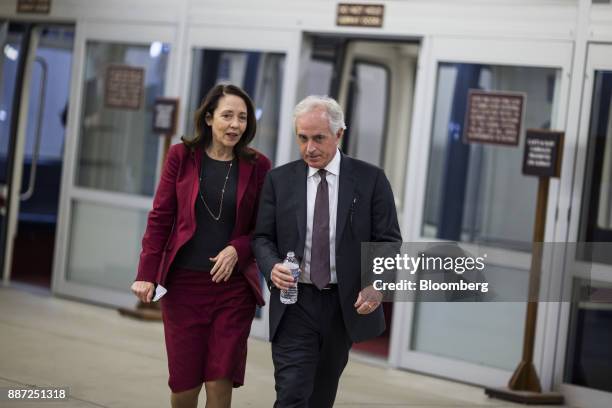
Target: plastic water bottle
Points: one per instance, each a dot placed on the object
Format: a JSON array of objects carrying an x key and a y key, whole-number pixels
[{"x": 290, "y": 295}]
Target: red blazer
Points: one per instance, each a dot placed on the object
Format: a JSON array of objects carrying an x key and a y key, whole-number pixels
[{"x": 172, "y": 220}]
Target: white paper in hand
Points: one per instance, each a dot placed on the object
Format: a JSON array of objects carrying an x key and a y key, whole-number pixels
[{"x": 159, "y": 292}]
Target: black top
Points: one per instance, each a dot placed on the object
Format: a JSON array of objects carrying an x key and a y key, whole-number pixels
[{"x": 211, "y": 236}]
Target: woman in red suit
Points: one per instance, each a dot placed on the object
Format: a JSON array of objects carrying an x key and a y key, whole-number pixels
[{"x": 197, "y": 245}]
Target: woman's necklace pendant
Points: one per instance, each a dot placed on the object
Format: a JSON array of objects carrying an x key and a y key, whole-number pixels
[{"x": 218, "y": 216}]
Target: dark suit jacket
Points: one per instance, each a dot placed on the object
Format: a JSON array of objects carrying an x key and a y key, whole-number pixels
[
  {"x": 366, "y": 213},
  {"x": 172, "y": 221}
]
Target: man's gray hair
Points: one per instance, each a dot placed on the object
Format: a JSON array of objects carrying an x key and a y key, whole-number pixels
[{"x": 335, "y": 116}]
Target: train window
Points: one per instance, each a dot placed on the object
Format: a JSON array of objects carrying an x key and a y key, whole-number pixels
[
  {"x": 317, "y": 78},
  {"x": 374, "y": 83},
  {"x": 367, "y": 116},
  {"x": 118, "y": 149},
  {"x": 477, "y": 193},
  {"x": 596, "y": 216},
  {"x": 260, "y": 74},
  {"x": 322, "y": 56},
  {"x": 54, "y": 55}
]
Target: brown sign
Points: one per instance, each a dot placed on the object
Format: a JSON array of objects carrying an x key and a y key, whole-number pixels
[
  {"x": 124, "y": 87},
  {"x": 494, "y": 117},
  {"x": 360, "y": 15},
  {"x": 34, "y": 6},
  {"x": 165, "y": 112},
  {"x": 543, "y": 151}
]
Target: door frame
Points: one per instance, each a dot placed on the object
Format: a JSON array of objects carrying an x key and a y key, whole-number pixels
[
  {"x": 16, "y": 147},
  {"x": 243, "y": 39},
  {"x": 598, "y": 57},
  {"x": 287, "y": 42},
  {"x": 400, "y": 94},
  {"x": 435, "y": 50},
  {"x": 133, "y": 33}
]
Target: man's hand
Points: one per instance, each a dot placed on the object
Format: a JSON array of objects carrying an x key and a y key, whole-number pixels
[
  {"x": 281, "y": 277},
  {"x": 368, "y": 300},
  {"x": 224, "y": 264},
  {"x": 143, "y": 290}
]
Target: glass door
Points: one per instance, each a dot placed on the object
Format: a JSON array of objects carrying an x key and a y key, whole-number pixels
[
  {"x": 14, "y": 41},
  {"x": 112, "y": 157},
  {"x": 584, "y": 357},
  {"x": 476, "y": 195},
  {"x": 35, "y": 82},
  {"x": 373, "y": 80},
  {"x": 259, "y": 62}
]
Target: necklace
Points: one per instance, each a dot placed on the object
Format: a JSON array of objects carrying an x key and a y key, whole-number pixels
[{"x": 218, "y": 216}]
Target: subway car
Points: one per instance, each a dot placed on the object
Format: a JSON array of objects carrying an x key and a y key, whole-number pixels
[{"x": 80, "y": 160}]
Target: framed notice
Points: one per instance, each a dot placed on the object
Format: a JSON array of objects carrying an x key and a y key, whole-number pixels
[
  {"x": 165, "y": 112},
  {"x": 124, "y": 87},
  {"x": 543, "y": 151},
  {"x": 360, "y": 15},
  {"x": 34, "y": 6},
  {"x": 494, "y": 117}
]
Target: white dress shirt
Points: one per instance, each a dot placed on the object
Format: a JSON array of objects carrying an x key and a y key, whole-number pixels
[{"x": 312, "y": 182}]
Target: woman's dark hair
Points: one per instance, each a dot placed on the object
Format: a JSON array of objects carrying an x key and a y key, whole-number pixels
[{"x": 203, "y": 132}]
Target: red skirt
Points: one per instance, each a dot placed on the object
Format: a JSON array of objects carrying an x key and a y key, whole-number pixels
[{"x": 206, "y": 326}]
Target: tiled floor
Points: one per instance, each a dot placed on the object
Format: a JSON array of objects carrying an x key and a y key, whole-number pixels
[{"x": 111, "y": 361}]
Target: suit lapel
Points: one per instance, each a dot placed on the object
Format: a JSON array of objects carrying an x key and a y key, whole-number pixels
[
  {"x": 301, "y": 172},
  {"x": 345, "y": 196}
]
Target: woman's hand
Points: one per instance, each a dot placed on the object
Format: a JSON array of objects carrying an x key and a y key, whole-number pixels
[
  {"x": 143, "y": 290},
  {"x": 224, "y": 264}
]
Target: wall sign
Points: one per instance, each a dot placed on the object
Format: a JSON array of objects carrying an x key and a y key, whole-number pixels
[
  {"x": 124, "y": 87},
  {"x": 165, "y": 112},
  {"x": 360, "y": 15},
  {"x": 494, "y": 117},
  {"x": 543, "y": 151},
  {"x": 34, "y": 6}
]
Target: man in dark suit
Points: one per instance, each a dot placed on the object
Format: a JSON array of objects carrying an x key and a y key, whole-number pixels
[{"x": 322, "y": 208}]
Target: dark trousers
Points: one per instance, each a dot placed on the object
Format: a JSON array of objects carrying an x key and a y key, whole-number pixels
[{"x": 310, "y": 350}]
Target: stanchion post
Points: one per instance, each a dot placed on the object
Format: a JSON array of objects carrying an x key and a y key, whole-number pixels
[{"x": 543, "y": 149}]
